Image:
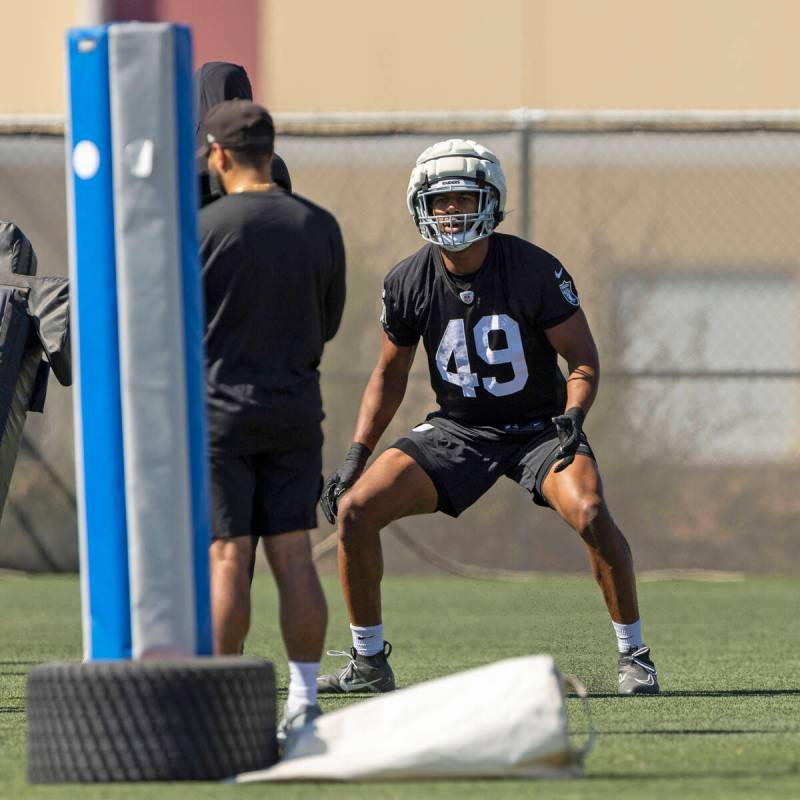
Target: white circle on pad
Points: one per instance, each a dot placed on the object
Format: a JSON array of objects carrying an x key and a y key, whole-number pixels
[{"x": 85, "y": 159}]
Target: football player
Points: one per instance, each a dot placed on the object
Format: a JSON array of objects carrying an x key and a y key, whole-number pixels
[{"x": 494, "y": 312}]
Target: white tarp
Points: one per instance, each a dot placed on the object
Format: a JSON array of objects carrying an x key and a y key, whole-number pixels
[{"x": 504, "y": 720}]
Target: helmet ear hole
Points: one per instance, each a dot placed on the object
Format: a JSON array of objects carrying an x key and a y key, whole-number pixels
[{"x": 499, "y": 212}]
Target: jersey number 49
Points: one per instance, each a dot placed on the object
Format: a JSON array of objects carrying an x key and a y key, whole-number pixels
[{"x": 454, "y": 346}]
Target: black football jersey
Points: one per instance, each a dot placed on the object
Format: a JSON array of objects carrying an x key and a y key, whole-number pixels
[{"x": 489, "y": 359}]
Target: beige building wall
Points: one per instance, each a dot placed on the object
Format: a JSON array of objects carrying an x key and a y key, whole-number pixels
[
  {"x": 374, "y": 55},
  {"x": 366, "y": 55},
  {"x": 32, "y": 55}
]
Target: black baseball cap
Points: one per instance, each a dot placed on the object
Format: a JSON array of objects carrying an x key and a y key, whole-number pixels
[{"x": 238, "y": 124}]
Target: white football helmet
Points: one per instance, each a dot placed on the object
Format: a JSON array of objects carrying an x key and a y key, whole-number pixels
[{"x": 457, "y": 165}]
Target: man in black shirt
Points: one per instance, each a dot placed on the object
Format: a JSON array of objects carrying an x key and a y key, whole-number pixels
[
  {"x": 215, "y": 82},
  {"x": 273, "y": 271},
  {"x": 493, "y": 312}
]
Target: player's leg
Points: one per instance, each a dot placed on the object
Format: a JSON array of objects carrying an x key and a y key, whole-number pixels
[
  {"x": 230, "y": 593},
  {"x": 303, "y": 615},
  {"x": 303, "y": 612},
  {"x": 394, "y": 486},
  {"x": 439, "y": 465},
  {"x": 232, "y": 487},
  {"x": 287, "y": 489},
  {"x": 577, "y": 496},
  {"x": 576, "y": 493}
]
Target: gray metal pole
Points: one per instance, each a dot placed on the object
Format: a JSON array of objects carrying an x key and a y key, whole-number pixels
[
  {"x": 524, "y": 545},
  {"x": 525, "y": 176},
  {"x": 93, "y": 12}
]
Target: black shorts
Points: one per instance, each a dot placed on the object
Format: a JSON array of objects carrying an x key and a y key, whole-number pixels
[
  {"x": 465, "y": 462},
  {"x": 265, "y": 494}
]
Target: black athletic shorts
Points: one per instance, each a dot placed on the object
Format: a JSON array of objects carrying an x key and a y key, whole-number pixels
[
  {"x": 465, "y": 462},
  {"x": 265, "y": 494}
]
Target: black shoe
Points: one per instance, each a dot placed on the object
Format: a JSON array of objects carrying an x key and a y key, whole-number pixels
[
  {"x": 637, "y": 672},
  {"x": 361, "y": 674}
]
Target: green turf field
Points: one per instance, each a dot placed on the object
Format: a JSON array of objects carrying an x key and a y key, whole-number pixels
[{"x": 726, "y": 725}]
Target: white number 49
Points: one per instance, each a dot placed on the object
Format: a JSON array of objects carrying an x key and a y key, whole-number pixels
[{"x": 454, "y": 345}]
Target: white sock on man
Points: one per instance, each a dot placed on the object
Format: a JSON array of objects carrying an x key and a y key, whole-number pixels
[
  {"x": 629, "y": 637},
  {"x": 302, "y": 685},
  {"x": 368, "y": 641}
]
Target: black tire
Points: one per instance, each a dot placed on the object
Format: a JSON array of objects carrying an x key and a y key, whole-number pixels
[{"x": 193, "y": 719}]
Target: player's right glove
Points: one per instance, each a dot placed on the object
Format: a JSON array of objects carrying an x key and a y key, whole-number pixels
[
  {"x": 569, "y": 426},
  {"x": 341, "y": 480}
]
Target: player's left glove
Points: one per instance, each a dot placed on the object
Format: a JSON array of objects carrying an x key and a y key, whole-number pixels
[
  {"x": 569, "y": 426},
  {"x": 341, "y": 480}
]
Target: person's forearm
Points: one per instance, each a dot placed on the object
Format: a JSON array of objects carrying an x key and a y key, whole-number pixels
[
  {"x": 380, "y": 402},
  {"x": 582, "y": 384}
]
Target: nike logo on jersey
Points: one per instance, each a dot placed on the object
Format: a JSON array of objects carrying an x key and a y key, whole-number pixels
[
  {"x": 559, "y": 272},
  {"x": 355, "y": 686}
]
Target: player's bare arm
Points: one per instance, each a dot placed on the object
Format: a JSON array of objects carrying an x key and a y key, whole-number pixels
[
  {"x": 384, "y": 392},
  {"x": 573, "y": 341},
  {"x": 379, "y": 403}
]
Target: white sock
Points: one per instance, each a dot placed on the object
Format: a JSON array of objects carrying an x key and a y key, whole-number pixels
[
  {"x": 368, "y": 641},
  {"x": 302, "y": 685},
  {"x": 628, "y": 636}
]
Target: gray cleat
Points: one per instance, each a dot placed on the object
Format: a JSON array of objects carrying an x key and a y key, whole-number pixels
[
  {"x": 637, "y": 673},
  {"x": 290, "y": 724},
  {"x": 370, "y": 674}
]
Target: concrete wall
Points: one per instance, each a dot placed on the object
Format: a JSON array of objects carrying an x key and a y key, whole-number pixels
[
  {"x": 537, "y": 53},
  {"x": 32, "y": 55},
  {"x": 416, "y": 55}
]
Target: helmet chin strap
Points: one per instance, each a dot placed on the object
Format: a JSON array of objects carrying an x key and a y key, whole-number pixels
[{"x": 457, "y": 248}]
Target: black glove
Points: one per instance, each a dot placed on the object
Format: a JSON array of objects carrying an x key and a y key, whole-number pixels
[
  {"x": 569, "y": 426},
  {"x": 341, "y": 480}
]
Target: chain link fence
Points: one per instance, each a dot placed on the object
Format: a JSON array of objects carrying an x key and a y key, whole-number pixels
[{"x": 680, "y": 232}]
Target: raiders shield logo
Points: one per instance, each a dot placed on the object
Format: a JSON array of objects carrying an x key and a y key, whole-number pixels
[
  {"x": 569, "y": 295},
  {"x": 467, "y": 297}
]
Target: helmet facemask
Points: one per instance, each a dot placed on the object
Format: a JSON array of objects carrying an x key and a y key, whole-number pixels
[{"x": 464, "y": 229}]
